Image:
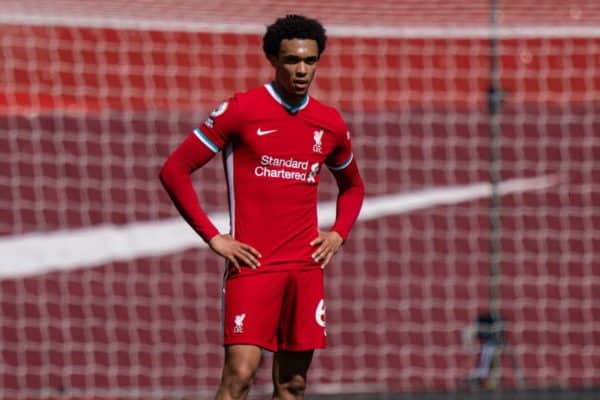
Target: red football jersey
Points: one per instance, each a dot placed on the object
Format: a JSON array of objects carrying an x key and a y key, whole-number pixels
[{"x": 273, "y": 154}]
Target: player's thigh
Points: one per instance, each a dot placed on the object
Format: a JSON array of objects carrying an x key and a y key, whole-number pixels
[
  {"x": 303, "y": 317},
  {"x": 252, "y": 305}
]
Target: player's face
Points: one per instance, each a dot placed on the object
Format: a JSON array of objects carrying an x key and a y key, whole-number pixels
[{"x": 295, "y": 67}]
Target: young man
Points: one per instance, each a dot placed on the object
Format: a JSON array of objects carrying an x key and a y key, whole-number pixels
[{"x": 274, "y": 139}]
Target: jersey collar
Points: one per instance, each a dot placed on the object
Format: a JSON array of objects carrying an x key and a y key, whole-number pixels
[{"x": 278, "y": 98}]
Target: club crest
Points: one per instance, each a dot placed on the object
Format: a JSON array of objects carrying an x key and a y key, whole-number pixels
[{"x": 317, "y": 136}]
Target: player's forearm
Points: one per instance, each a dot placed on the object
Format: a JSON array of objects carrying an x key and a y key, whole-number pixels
[
  {"x": 350, "y": 199},
  {"x": 175, "y": 177}
]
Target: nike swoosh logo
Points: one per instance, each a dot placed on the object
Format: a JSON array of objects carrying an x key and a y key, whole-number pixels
[{"x": 261, "y": 133}]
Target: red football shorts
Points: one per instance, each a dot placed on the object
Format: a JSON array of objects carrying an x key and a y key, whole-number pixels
[{"x": 276, "y": 310}]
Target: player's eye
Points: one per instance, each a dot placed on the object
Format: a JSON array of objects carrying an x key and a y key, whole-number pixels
[{"x": 291, "y": 60}]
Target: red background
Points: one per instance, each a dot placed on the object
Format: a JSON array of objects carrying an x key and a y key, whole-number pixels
[{"x": 88, "y": 116}]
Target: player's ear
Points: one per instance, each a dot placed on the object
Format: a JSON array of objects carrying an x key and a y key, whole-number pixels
[{"x": 272, "y": 59}]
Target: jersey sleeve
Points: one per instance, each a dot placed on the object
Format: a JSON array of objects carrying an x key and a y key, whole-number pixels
[
  {"x": 175, "y": 176},
  {"x": 342, "y": 155},
  {"x": 222, "y": 125},
  {"x": 350, "y": 198},
  {"x": 350, "y": 184}
]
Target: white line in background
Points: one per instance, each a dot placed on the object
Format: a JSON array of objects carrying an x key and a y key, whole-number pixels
[{"x": 37, "y": 253}]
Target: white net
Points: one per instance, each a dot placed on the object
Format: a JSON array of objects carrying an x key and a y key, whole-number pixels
[{"x": 105, "y": 292}]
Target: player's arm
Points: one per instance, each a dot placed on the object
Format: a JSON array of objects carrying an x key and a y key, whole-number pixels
[
  {"x": 349, "y": 202},
  {"x": 350, "y": 198},
  {"x": 175, "y": 176}
]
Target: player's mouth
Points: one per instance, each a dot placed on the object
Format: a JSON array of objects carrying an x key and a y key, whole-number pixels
[{"x": 300, "y": 85}]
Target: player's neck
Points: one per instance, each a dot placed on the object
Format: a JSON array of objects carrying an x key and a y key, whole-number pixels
[{"x": 291, "y": 100}]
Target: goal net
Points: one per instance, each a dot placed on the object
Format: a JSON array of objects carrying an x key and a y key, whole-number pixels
[{"x": 106, "y": 293}]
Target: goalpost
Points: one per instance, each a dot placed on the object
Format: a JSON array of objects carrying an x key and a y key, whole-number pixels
[{"x": 105, "y": 292}]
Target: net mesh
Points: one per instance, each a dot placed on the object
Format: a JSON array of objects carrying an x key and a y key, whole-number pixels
[{"x": 94, "y": 96}]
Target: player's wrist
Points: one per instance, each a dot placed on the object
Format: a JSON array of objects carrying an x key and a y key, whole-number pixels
[
  {"x": 212, "y": 238},
  {"x": 339, "y": 233}
]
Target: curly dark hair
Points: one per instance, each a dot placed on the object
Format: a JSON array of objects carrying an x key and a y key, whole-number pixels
[{"x": 293, "y": 26}]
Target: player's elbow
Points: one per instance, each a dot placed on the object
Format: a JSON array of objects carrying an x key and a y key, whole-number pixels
[
  {"x": 360, "y": 188},
  {"x": 167, "y": 173},
  {"x": 360, "y": 193},
  {"x": 356, "y": 186}
]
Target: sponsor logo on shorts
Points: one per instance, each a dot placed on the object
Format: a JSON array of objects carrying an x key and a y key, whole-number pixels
[{"x": 239, "y": 323}]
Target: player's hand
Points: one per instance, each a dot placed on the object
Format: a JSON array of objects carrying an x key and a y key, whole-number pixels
[
  {"x": 235, "y": 251},
  {"x": 329, "y": 243}
]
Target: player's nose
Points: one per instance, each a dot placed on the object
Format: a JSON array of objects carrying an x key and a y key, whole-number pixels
[{"x": 302, "y": 68}]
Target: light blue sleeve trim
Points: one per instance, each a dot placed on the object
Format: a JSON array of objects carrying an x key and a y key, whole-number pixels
[
  {"x": 343, "y": 165},
  {"x": 207, "y": 142}
]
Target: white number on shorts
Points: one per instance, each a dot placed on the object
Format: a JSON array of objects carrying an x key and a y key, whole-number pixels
[{"x": 320, "y": 313}]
